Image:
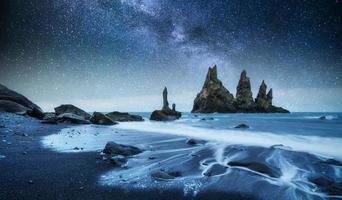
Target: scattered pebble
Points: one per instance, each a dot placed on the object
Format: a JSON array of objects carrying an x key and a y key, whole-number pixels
[
  {"x": 30, "y": 182},
  {"x": 151, "y": 158},
  {"x": 81, "y": 188}
]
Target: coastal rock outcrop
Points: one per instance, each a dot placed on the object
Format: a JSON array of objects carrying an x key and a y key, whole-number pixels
[
  {"x": 12, "y": 101},
  {"x": 101, "y": 119},
  {"x": 68, "y": 108},
  {"x": 165, "y": 114},
  {"x": 115, "y": 149},
  {"x": 123, "y": 117},
  {"x": 213, "y": 97},
  {"x": 12, "y": 107},
  {"x": 72, "y": 118}
]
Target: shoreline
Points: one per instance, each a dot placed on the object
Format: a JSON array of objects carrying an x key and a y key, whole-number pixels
[
  {"x": 30, "y": 171},
  {"x": 206, "y": 170}
]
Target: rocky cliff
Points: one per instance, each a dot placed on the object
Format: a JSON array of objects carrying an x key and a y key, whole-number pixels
[{"x": 214, "y": 97}]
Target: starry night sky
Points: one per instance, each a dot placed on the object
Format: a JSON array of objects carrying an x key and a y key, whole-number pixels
[{"x": 110, "y": 55}]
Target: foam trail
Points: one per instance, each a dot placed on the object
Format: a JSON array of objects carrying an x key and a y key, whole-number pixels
[{"x": 324, "y": 146}]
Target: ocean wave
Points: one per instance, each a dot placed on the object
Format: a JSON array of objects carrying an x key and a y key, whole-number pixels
[{"x": 323, "y": 146}]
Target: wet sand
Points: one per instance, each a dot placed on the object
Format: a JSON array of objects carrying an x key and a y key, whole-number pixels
[{"x": 30, "y": 171}]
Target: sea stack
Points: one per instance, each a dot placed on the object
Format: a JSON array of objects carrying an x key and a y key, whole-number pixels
[
  {"x": 244, "y": 98},
  {"x": 165, "y": 101},
  {"x": 165, "y": 114},
  {"x": 213, "y": 97},
  {"x": 264, "y": 101}
]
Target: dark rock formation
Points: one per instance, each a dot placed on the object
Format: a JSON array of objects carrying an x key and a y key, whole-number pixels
[
  {"x": 101, "y": 119},
  {"x": 193, "y": 141},
  {"x": 118, "y": 160},
  {"x": 242, "y": 126},
  {"x": 123, "y": 117},
  {"x": 72, "y": 118},
  {"x": 162, "y": 176},
  {"x": 327, "y": 185},
  {"x": 323, "y": 118},
  {"x": 165, "y": 101},
  {"x": 165, "y": 114},
  {"x": 213, "y": 97},
  {"x": 114, "y": 149},
  {"x": 20, "y": 103},
  {"x": 215, "y": 169},
  {"x": 331, "y": 162},
  {"x": 258, "y": 167},
  {"x": 68, "y": 108},
  {"x": 244, "y": 98},
  {"x": 49, "y": 116},
  {"x": 12, "y": 107},
  {"x": 264, "y": 101}
]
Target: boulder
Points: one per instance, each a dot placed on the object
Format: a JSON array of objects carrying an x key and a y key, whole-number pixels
[
  {"x": 331, "y": 162},
  {"x": 215, "y": 169},
  {"x": 164, "y": 176},
  {"x": 68, "y": 108},
  {"x": 193, "y": 141},
  {"x": 213, "y": 97},
  {"x": 113, "y": 149},
  {"x": 118, "y": 160},
  {"x": 9, "y": 95},
  {"x": 12, "y": 107},
  {"x": 123, "y": 117},
  {"x": 101, "y": 119},
  {"x": 49, "y": 116},
  {"x": 72, "y": 118},
  {"x": 327, "y": 185},
  {"x": 165, "y": 114},
  {"x": 244, "y": 98},
  {"x": 258, "y": 167},
  {"x": 242, "y": 126}
]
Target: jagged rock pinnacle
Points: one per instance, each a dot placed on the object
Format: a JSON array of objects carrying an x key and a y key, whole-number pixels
[
  {"x": 244, "y": 97},
  {"x": 165, "y": 101},
  {"x": 213, "y": 97}
]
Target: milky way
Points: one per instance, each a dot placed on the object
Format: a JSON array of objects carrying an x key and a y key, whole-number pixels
[{"x": 119, "y": 54}]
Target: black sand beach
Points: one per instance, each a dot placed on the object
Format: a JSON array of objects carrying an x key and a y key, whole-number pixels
[{"x": 29, "y": 171}]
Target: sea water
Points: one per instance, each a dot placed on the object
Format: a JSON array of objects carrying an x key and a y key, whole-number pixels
[{"x": 292, "y": 145}]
